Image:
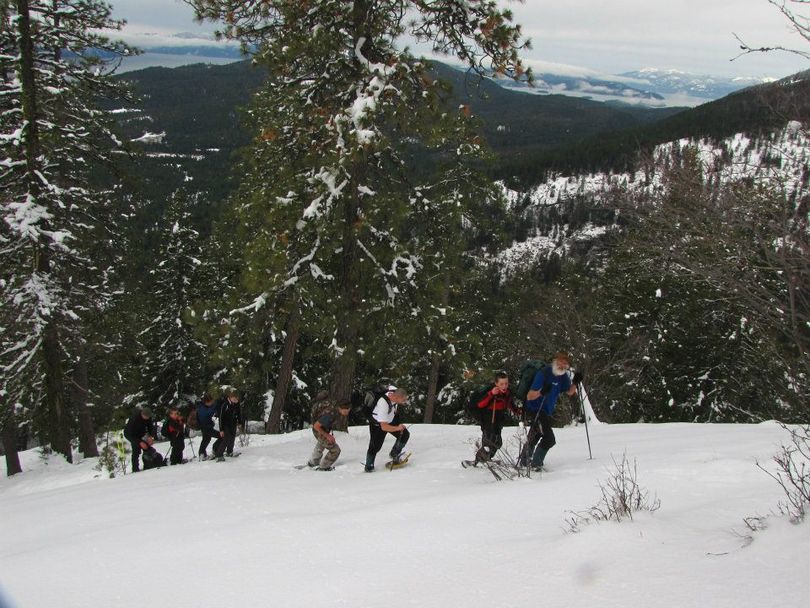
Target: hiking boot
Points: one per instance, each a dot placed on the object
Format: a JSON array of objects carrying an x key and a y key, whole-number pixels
[
  {"x": 369, "y": 468},
  {"x": 203, "y": 456},
  {"x": 325, "y": 469},
  {"x": 220, "y": 459}
]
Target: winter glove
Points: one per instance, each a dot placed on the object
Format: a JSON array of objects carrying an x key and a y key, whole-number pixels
[{"x": 578, "y": 376}]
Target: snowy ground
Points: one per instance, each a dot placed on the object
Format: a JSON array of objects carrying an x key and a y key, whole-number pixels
[{"x": 255, "y": 532}]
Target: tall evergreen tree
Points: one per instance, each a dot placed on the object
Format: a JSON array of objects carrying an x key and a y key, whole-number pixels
[
  {"x": 173, "y": 357},
  {"x": 52, "y": 134},
  {"x": 328, "y": 181}
]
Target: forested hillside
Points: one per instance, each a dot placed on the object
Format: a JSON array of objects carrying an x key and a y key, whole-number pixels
[{"x": 336, "y": 222}]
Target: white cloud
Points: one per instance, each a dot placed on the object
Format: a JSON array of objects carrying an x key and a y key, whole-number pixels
[{"x": 608, "y": 37}]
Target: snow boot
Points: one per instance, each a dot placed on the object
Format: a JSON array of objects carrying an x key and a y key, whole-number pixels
[{"x": 538, "y": 458}]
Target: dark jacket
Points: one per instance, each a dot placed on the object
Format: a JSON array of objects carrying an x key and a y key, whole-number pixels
[
  {"x": 230, "y": 415},
  {"x": 205, "y": 416},
  {"x": 137, "y": 427},
  {"x": 173, "y": 430}
]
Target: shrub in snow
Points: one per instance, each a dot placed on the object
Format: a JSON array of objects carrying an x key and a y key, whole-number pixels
[
  {"x": 113, "y": 455},
  {"x": 793, "y": 473},
  {"x": 622, "y": 496}
]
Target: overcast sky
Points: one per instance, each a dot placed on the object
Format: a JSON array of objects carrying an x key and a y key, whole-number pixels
[{"x": 605, "y": 36}]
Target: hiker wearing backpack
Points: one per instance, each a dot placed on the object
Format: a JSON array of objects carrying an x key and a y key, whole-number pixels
[
  {"x": 140, "y": 432},
  {"x": 493, "y": 407},
  {"x": 174, "y": 430},
  {"x": 206, "y": 410},
  {"x": 229, "y": 414},
  {"x": 325, "y": 413},
  {"x": 548, "y": 384},
  {"x": 385, "y": 419}
]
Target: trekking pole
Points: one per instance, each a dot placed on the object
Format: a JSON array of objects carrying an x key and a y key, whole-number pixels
[{"x": 578, "y": 376}]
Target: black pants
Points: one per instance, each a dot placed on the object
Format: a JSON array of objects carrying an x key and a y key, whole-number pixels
[
  {"x": 136, "y": 455},
  {"x": 225, "y": 444},
  {"x": 178, "y": 445},
  {"x": 207, "y": 436},
  {"x": 378, "y": 437},
  {"x": 539, "y": 431},
  {"x": 491, "y": 428}
]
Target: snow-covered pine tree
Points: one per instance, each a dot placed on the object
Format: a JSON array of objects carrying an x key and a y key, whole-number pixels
[
  {"x": 173, "y": 358},
  {"x": 452, "y": 204},
  {"x": 341, "y": 104},
  {"x": 52, "y": 134}
]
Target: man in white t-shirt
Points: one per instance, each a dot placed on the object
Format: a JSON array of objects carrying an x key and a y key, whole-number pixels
[{"x": 385, "y": 420}]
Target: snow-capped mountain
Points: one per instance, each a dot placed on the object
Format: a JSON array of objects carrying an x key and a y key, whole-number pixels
[
  {"x": 648, "y": 87},
  {"x": 669, "y": 82}
]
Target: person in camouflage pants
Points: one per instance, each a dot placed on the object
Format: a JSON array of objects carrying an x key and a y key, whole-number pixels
[{"x": 325, "y": 414}]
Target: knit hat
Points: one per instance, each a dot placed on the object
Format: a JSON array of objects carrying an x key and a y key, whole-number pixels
[{"x": 145, "y": 411}]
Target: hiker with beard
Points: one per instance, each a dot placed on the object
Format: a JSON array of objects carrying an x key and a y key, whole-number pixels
[{"x": 549, "y": 382}]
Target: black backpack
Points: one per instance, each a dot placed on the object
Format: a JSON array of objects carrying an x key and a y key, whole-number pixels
[
  {"x": 152, "y": 459},
  {"x": 371, "y": 398},
  {"x": 527, "y": 374},
  {"x": 474, "y": 399},
  {"x": 191, "y": 421}
]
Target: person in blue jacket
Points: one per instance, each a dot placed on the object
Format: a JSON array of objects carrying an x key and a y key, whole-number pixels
[
  {"x": 548, "y": 384},
  {"x": 207, "y": 408}
]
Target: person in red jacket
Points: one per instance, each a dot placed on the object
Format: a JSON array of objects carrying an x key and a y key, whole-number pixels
[
  {"x": 493, "y": 409},
  {"x": 175, "y": 431}
]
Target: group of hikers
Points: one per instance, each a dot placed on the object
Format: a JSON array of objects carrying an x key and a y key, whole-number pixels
[
  {"x": 549, "y": 382},
  {"x": 220, "y": 420}
]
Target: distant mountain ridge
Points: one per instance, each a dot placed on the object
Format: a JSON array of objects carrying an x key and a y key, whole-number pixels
[
  {"x": 650, "y": 87},
  {"x": 196, "y": 105},
  {"x": 754, "y": 111}
]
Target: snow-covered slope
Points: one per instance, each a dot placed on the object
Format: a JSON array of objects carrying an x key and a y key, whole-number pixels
[
  {"x": 255, "y": 532},
  {"x": 783, "y": 159}
]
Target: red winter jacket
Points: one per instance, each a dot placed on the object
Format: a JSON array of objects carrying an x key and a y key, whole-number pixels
[{"x": 501, "y": 401}]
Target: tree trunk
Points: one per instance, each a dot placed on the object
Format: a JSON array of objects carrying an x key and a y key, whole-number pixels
[
  {"x": 432, "y": 389},
  {"x": 436, "y": 360},
  {"x": 9, "y": 439},
  {"x": 59, "y": 431},
  {"x": 59, "y": 434},
  {"x": 286, "y": 370},
  {"x": 79, "y": 393},
  {"x": 349, "y": 311}
]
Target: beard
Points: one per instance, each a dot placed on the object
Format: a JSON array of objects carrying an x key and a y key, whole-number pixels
[{"x": 557, "y": 370}]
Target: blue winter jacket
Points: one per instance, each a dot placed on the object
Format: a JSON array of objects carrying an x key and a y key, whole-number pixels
[
  {"x": 205, "y": 416},
  {"x": 551, "y": 386}
]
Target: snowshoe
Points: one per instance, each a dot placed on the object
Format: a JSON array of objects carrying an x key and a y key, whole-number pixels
[{"x": 398, "y": 462}]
